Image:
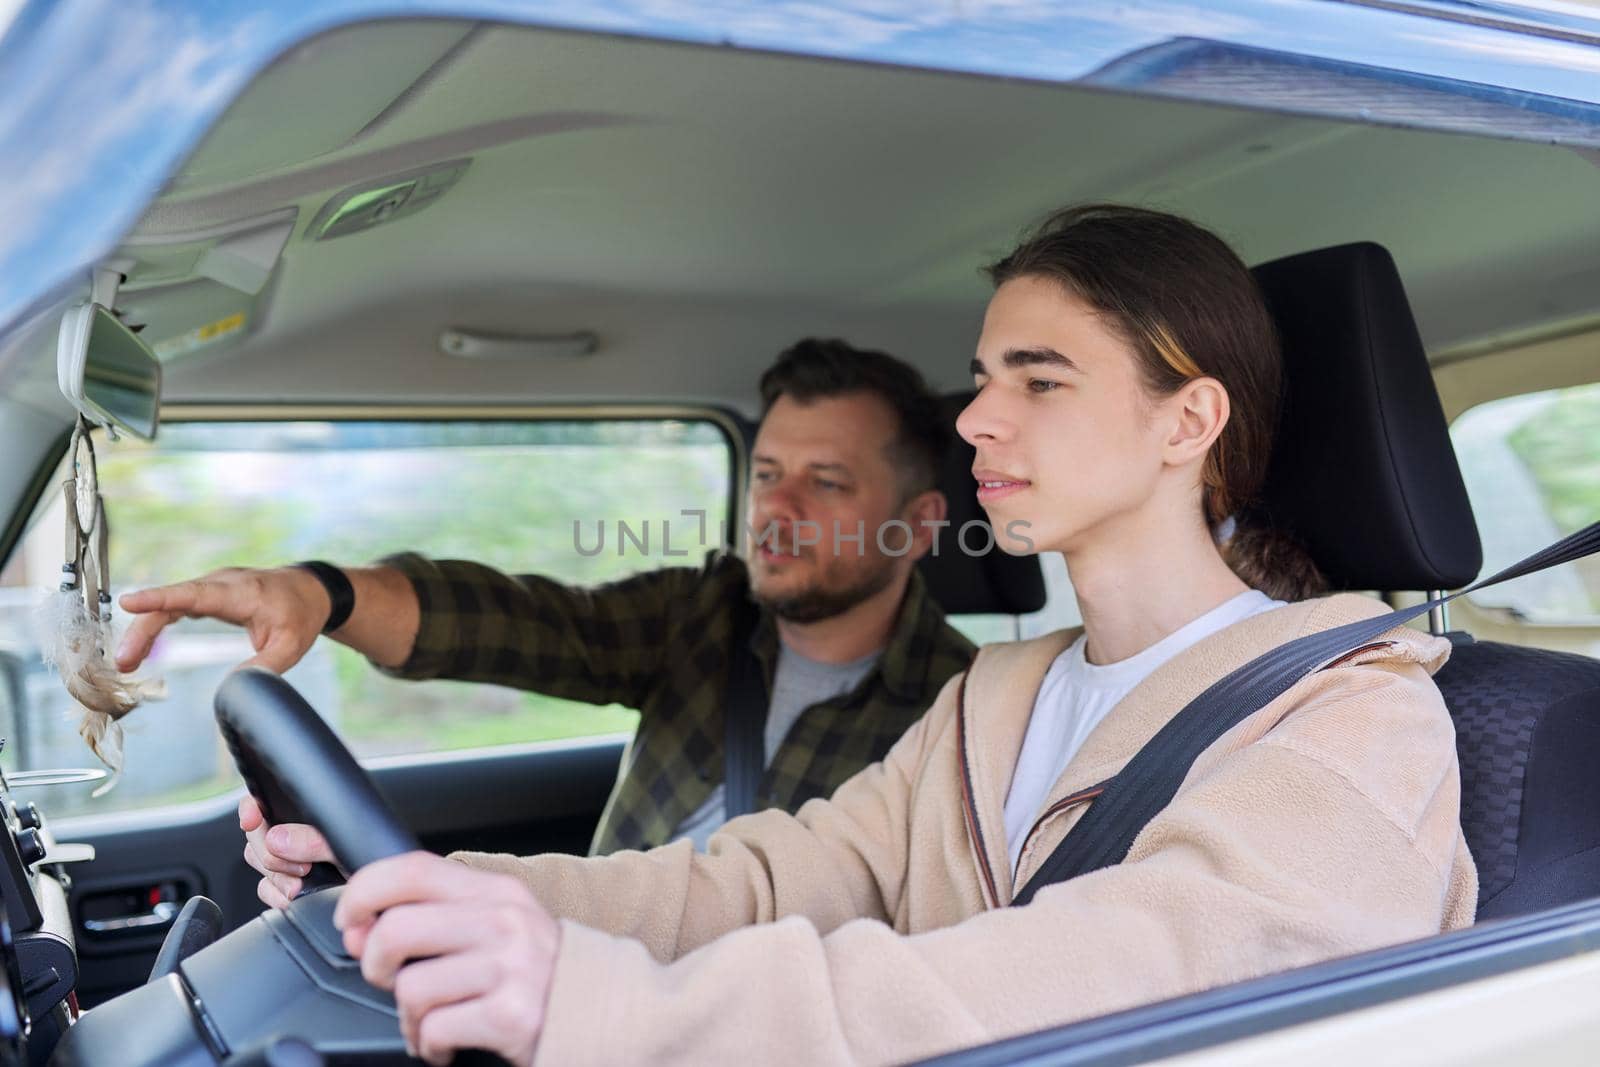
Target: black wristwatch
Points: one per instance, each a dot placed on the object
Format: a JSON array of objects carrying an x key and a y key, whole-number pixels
[{"x": 341, "y": 593}]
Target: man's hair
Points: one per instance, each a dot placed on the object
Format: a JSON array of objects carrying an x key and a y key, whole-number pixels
[{"x": 815, "y": 368}]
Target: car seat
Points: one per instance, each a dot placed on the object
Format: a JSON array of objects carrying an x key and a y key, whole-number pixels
[{"x": 1363, "y": 473}]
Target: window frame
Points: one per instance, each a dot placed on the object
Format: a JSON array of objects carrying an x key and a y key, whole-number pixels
[
  {"x": 1215, "y": 1018},
  {"x": 735, "y": 431}
]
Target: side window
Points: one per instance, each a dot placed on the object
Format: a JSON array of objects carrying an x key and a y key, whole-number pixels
[
  {"x": 522, "y": 496},
  {"x": 1532, "y": 468}
]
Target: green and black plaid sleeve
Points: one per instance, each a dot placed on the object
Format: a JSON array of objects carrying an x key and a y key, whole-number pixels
[
  {"x": 660, "y": 642},
  {"x": 603, "y": 644}
]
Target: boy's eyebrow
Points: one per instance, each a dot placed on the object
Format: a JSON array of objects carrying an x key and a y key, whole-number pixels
[
  {"x": 1026, "y": 357},
  {"x": 1036, "y": 357}
]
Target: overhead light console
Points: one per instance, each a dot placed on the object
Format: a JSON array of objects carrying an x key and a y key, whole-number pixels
[{"x": 361, "y": 207}]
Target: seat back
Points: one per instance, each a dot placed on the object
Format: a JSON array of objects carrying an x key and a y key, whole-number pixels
[
  {"x": 1364, "y": 474},
  {"x": 1528, "y": 735}
]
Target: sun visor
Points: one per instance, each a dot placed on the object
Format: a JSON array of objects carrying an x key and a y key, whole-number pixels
[{"x": 200, "y": 289}]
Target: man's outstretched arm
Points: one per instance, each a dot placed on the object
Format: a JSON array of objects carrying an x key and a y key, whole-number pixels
[
  {"x": 420, "y": 618},
  {"x": 283, "y": 609}
]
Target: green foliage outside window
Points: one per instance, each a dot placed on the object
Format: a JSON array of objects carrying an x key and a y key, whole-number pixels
[
  {"x": 1532, "y": 468},
  {"x": 1561, "y": 448}
]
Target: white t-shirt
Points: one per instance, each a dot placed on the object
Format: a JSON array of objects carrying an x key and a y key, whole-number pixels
[{"x": 1077, "y": 694}]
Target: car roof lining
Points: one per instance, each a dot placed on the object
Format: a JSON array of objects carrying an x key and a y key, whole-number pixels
[{"x": 699, "y": 208}]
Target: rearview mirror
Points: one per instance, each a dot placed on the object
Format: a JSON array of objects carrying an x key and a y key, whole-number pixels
[{"x": 107, "y": 373}]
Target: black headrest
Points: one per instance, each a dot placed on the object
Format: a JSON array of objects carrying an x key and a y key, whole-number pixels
[
  {"x": 1362, "y": 470},
  {"x": 970, "y": 583}
]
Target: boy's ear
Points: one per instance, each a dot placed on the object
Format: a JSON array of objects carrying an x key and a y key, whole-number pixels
[{"x": 1200, "y": 410}]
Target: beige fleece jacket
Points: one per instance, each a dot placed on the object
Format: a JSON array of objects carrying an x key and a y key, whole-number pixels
[{"x": 872, "y": 927}]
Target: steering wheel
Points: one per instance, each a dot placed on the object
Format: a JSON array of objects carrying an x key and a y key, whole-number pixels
[{"x": 299, "y": 770}]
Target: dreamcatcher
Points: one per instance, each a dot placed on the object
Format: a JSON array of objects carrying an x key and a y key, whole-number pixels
[{"x": 75, "y": 622}]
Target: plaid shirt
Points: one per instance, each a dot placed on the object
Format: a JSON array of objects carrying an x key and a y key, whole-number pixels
[{"x": 659, "y": 642}]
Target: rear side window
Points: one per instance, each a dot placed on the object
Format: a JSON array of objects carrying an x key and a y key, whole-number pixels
[
  {"x": 1532, "y": 468},
  {"x": 522, "y": 496}
]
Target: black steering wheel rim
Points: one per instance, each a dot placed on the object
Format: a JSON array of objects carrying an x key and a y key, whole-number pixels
[{"x": 299, "y": 771}]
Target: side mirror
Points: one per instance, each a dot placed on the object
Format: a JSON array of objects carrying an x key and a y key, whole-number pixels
[{"x": 107, "y": 373}]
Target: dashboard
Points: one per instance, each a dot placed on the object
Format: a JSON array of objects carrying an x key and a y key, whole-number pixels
[
  {"x": 278, "y": 991},
  {"x": 36, "y": 938}
]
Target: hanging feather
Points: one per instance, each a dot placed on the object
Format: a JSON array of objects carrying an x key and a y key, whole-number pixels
[
  {"x": 74, "y": 642},
  {"x": 74, "y": 623}
]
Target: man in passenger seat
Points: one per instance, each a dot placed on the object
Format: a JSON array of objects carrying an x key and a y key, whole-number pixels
[
  {"x": 842, "y": 503},
  {"x": 1128, "y": 378}
]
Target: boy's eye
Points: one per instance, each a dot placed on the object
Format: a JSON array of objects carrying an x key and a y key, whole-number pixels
[
  {"x": 1041, "y": 385},
  {"x": 823, "y": 483},
  {"x": 763, "y": 476}
]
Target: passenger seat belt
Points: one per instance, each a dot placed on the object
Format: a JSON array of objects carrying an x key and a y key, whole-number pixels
[
  {"x": 1151, "y": 778},
  {"x": 744, "y": 715}
]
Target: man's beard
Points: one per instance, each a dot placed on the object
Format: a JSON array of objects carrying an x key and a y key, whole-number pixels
[{"x": 815, "y": 604}]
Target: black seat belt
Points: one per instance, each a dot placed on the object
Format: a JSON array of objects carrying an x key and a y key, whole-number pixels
[
  {"x": 1151, "y": 778},
  {"x": 744, "y": 716}
]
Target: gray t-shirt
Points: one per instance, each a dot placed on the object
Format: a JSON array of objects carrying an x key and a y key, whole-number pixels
[{"x": 797, "y": 684}]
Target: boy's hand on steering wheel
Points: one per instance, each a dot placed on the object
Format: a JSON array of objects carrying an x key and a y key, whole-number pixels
[
  {"x": 282, "y": 854},
  {"x": 469, "y": 955},
  {"x": 282, "y": 609}
]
